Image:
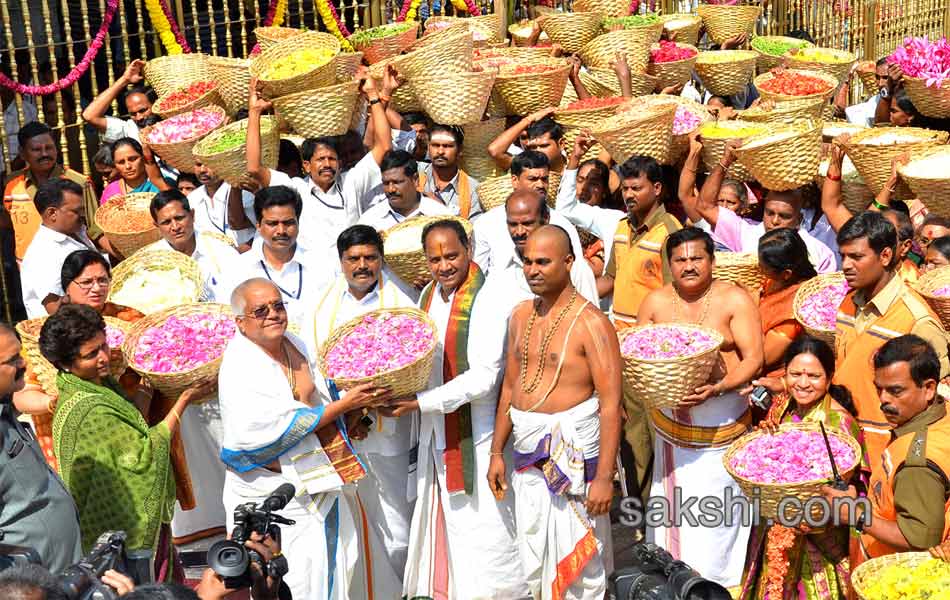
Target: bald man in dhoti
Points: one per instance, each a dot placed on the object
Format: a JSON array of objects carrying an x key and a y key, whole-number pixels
[{"x": 561, "y": 401}]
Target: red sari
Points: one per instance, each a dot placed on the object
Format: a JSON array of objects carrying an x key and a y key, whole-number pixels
[{"x": 778, "y": 316}]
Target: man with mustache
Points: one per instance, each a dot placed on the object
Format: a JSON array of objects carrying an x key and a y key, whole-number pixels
[
  {"x": 222, "y": 208},
  {"x": 691, "y": 441},
  {"x": 442, "y": 178},
  {"x": 879, "y": 307},
  {"x": 402, "y": 198},
  {"x": 384, "y": 443},
  {"x": 908, "y": 487},
  {"x": 137, "y": 103}
]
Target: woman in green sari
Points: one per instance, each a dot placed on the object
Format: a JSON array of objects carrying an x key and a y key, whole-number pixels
[
  {"x": 792, "y": 564},
  {"x": 115, "y": 466}
]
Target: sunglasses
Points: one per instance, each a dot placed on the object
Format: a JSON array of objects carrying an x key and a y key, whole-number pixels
[{"x": 262, "y": 312}]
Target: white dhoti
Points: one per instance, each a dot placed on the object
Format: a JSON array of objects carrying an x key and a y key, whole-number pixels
[
  {"x": 383, "y": 492},
  {"x": 688, "y": 450},
  {"x": 201, "y": 435},
  {"x": 564, "y": 552}
]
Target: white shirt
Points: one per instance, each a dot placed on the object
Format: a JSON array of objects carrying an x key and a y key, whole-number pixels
[
  {"x": 117, "y": 128},
  {"x": 43, "y": 263},
  {"x": 602, "y": 222},
  {"x": 822, "y": 231},
  {"x": 450, "y": 195},
  {"x": 863, "y": 113},
  {"x": 382, "y": 216},
  {"x": 211, "y": 213},
  {"x": 219, "y": 264}
]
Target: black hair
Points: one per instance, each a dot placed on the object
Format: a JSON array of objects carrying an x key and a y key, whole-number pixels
[
  {"x": 103, "y": 155},
  {"x": 53, "y": 191},
  {"x": 879, "y": 231},
  {"x": 76, "y": 262},
  {"x": 276, "y": 195},
  {"x": 241, "y": 114},
  {"x": 899, "y": 206},
  {"x": 166, "y": 197},
  {"x": 913, "y": 350},
  {"x": 310, "y": 145},
  {"x": 416, "y": 118},
  {"x": 941, "y": 245},
  {"x": 150, "y": 120},
  {"x": 783, "y": 248},
  {"x": 22, "y": 581},
  {"x": 126, "y": 141},
  {"x": 450, "y": 224},
  {"x": 543, "y": 208},
  {"x": 689, "y": 234},
  {"x": 399, "y": 159},
  {"x": 186, "y": 176},
  {"x": 820, "y": 349},
  {"x": 547, "y": 125},
  {"x": 455, "y": 132},
  {"x": 645, "y": 166},
  {"x": 725, "y": 100},
  {"x": 602, "y": 173},
  {"x": 164, "y": 591},
  {"x": 903, "y": 102},
  {"x": 935, "y": 219},
  {"x": 358, "y": 235},
  {"x": 144, "y": 90},
  {"x": 288, "y": 153},
  {"x": 801, "y": 34},
  {"x": 880, "y": 61},
  {"x": 66, "y": 330},
  {"x": 529, "y": 159},
  {"x": 905, "y": 229},
  {"x": 31, "y": 130}
]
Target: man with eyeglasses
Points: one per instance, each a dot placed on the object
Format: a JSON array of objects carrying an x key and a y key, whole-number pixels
[{"x": 279, "y": 428}]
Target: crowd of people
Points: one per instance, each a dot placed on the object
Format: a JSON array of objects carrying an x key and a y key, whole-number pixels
[{"x": 497, "y": 480}]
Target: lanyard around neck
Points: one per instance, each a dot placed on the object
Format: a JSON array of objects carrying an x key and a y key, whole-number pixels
[{"x": 282, "y": 290}]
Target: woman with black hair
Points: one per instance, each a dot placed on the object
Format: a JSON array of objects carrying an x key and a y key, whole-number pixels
[
  {"x": 138, "y": 171},
  {"x": 938, "y": 254}
]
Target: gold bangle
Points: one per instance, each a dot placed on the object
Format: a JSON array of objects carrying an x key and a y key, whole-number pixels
[
  {"x": 496, "y": 453},
  {"x": 51, "y": 405}
]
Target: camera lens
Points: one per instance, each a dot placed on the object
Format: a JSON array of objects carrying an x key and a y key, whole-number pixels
[{"x": 228, "y": 559}]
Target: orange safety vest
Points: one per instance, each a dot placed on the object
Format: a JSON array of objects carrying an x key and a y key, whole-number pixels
[
  {"x": 639, "y": 264},
  {"x": 464, "y": 192}
]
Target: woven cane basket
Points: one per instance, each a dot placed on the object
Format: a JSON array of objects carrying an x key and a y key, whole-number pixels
[
  {"x": 128, "y": 222},
  {"x": 403, "y": 381},
  {"x": 930, "y": 101},
  {"x": 570, "y": 135},
  {"x": 715, "y": 147},
  {"x": 864, "y": 575},
  {"x": 234, "y": 78},
  {"x": 785, "y": 112},
  {"x": 411, "y": 265},
  {"x": 726, "y": 72},
  {"x": 585, "y": 117},
  {"x": 740, "y": 268},
  {"x": 603, "y": 83},
  {"x": 931, "y": 282},
  {"x": 867, "y": 73},
  {"x": 873, "y": 161},
  {"x": 178, "y": 154},
  {"x": 167, "y": 73},
  {"x": 182, "y": 265},
  {"x": 455, "y": 97},
  {"x": 231, "y": 165},
  {"x": 854, "y": 192},
  {"x": 497, "y": 189},
  {"x": 451, "y": 51},
  {"x": 346, "y": 65},
  {"x": 171, "y": 385},
  {"x": 438, "y": 23},
  {"x": 607, "y": 8},
  {"x": 674, "y": 72},
  {"x": 526, "y": 93},
  {"x": 930, "y": 185},
  {"x": 318, "y": 76},
  {"x": 831, "y": 82},
  {"x": 723, "y": 21},
  {"x": 663, "y": 383},
  {"x": 629, "y": 134},
  {"x": 679, "y": 143},
  {"x": 572, "y": 31},
  {"x": 682, "y": 28},
  {"x": 210, "y": 98},
  {"x": 766, "y": 62},
  {"x": 521, "y": 34},
  {"x": 771, "y": 494},
  {"x": 785, "y": 159},
  {"x": 321, "y": 112},
  {"x": 839, "y": 69},
  {"x": 600, "y": 52},
  {"x": 268, "y": 37},
  {"x": 387, "y": 47},
  {"x": 479, "y": 135},
  {"x": 805, "y": 290},
  {"x": 490, "y": 22}
]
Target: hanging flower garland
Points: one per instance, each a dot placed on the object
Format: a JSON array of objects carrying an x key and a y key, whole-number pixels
[
  {"x": 80, "y": 69},
  {"x": 468, "y": 6},
  {"x": 333, "y": 23},
  {"x": 410, "y": 9},
  {"x": 164, "y": 22},
  {"x": 275, "y": 17}
]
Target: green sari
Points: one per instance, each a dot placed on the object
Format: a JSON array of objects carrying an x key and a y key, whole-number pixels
[{"x": 116, "y": 467}]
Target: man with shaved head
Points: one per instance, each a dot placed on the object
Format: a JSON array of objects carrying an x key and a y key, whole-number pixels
[
  {"x": 277, "y": 430},
  {"x": 561, "y": 402}
]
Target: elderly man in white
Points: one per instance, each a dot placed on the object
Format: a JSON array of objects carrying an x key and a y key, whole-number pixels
[
  {"x": 278, "y": 430},
  {"x": 387, "y": 492}
]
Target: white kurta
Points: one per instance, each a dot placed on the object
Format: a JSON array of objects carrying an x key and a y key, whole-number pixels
[
  {"x": 218, "y": 261},
  {"x": 211, "y": 212}
]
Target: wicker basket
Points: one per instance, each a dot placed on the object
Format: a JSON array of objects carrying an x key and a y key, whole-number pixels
[
  {"x": 679, "y": 143},
  {"x": 455, "y": 97},
  {"x": 839, "y": 70},
  {"x": 740, "y": 268},
  {"x": 134, "y": 208},
  {"x": 404, "y": 381},
  {"x": 570, "y": 135},
  {"x": 807, "y": 289},
  {"x": 932, "y": 190},
  {"x": 412, "y": 266},
  {"x": 451, "y": 51},
  {"x": 930, "y": 101},
  {"x": 682, "y": 28},
  {"x": 526, "y": 93},
  {"x": 602, "y": 50},
  {"x": 864, "y": 574},
  {"x": 629, "y": 134},
  {"x": 178, "y": 154},
  {"x": 766, "y": 62},
  {"x": 479, "y": 135},
  {"x": 930, "y": 282},
  {"x": 786, "y": 112},
  {"x": 584, "y": 117},
  {"x": 380, "y": 49},
  {"x": 715, "y": 147},
  {"x": 572, "y": 31},
  {"x": 494, "y": 191},
  {"x": 726, "y": 78},
  {"x": 867, "y": 73},
  {"x": 786, "y": 159},
  {"x": 346, "y": 65},
  {"x": 231, "y": 165},
  {"x": 319, "y": 76},
  {"x": 767, "y": 95},
  {"x": 873, "y": 161},
  {"x": 663, "y": 383},
  {"x": 490, "y": 22},
  {"x": 604, "y": 83},
  {"x": 171, "y": 385},
  {"x": 607, "y": 8},
  {"x": 674, "y": 72},
  {"x": 268, "y": 37},
  {"x": 44, "y": 370},
  {"x": 854, "y": 192},
  {"x": 724, "y": 21},
  {"x": 158, "y": 260},
  {"x": 321, "y": 112},
  {"x": 516, "y": 31},
  {"x": 210, "y": 98},
  {"x": 771, "y": 494},
  {"x": 234, "y": 79},
  {"x": 167, "y": 73}
]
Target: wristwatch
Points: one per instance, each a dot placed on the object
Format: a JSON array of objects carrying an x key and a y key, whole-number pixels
[
  {"x": 861, "y": 522},
  {"x": 374, "y": 101}
]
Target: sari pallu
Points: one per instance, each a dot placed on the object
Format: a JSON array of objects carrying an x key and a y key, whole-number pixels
[{"x": 778, "y": 316}]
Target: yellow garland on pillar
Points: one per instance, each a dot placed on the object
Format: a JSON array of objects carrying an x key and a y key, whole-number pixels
[
  {"x": 279, "y": 13},
  {"x": 329, "y": 21},
  {"x": 162, "y": 27},
  {"x": 413, "y": 10},
  {"x": 460, "y": 5}
]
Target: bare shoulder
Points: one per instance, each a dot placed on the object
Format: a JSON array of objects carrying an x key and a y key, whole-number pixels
[
  {"x": 736, "y": 295},
  {"x": 595, "y": 318},
  {"x": 521, "y": 311}
]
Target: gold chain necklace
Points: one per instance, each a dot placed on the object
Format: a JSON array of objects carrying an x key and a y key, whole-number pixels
[
  {"x": 676, "y": 306},
  {"x": 529, "y": 388}
]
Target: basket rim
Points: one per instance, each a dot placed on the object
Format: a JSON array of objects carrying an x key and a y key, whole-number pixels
[
  {"x": 931, "y": 280},
  {"x": 578, "y": 112},
  {"x": 923, "y": 136},
  {"x": 623, "y": 334},
  {"x": 413, "y": 222},
  {"x": 381, "y": 27},
  {"x": 739, "y": 123},
  {"x": 940, "y": 149},
  {"x": 557, "y": 68},
  {"x": 216, "y": 87},
  {"x": 851, "y": 57},
  {"x": 661, "y": 65},
  {"x": 187, "y": 264},
  {"x": 111, "y": 205},
  {"x": 197, "y": 150},
  {"x": 871, "y": 566},
  {"x": 808, "y": 288},
  {"x": 786, "y": 38},
  {"x": 213, "y": 107},
  {"x": 799, "y": 128},
  {"x": 769, "y": 75},
  {"x": 634, "y": 119},
  {"x": 740, "y": 56},
  {"x": 330, "y": 89}
]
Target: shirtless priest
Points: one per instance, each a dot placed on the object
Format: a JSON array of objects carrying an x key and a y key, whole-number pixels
[{"x": 561, "y": 400}]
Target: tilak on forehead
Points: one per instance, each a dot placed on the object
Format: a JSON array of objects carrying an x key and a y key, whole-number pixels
[{"x": 443, "y": 137}]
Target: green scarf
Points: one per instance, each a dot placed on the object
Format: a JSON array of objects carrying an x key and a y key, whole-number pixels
[{"x": 116, "y": 467}]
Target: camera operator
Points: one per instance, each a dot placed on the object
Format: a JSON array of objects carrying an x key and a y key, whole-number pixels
[
  {"x": 35, "y": 509},
  {"x": 263, "y": 586},
  {"x": 33, "y": 582}
]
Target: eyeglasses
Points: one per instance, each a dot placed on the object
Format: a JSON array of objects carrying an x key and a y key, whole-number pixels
[
  {"x": 86, "y": 284},
  {"x": 262, "y": 312}
]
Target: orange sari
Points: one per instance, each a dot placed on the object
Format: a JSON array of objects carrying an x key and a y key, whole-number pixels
[{"x": 778, "y": 316}]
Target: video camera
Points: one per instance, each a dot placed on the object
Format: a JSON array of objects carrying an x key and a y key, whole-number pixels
[
  {"x": 656, "y": 576},
  {"x": 232, "y": 560}
]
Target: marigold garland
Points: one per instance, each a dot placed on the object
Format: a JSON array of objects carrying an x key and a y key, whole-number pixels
[
  {"x": 468, "y": 6},
  {"x": 331, "y": 20},
  {"x": 162, "y": 19},
  {"x": 276, "y": 18},
  {"x": 410, "y": 9},
  {"x": 779, "y": 541}
]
